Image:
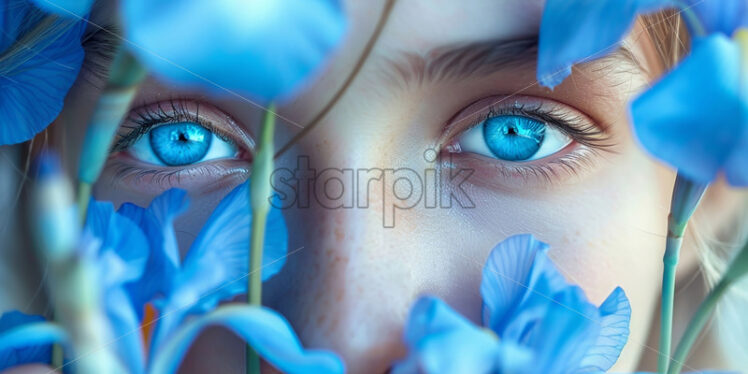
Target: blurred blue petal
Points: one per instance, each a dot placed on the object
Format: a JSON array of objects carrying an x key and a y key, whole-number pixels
[
  {"x": 724, "y": 16},
  {"x": 157, "y": 223},
  {"x": 122, "y": 252},
  {"x": 34, "y": 82},
  {"x": 263, "y": 48},
  {"x": 66, "y": 8},
  {"x": 671, "y": 122},
  {"x": 27, "y": 339},
  {"x": 442, "y": 341},
  {"x": 266, "y": 331},
  {"x": 574, "y": 31}
]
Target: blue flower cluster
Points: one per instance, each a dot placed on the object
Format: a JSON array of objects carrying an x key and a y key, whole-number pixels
[{"x": 136, "y": 259}]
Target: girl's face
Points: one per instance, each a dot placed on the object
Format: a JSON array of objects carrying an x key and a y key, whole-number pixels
[{"x": 448, "y": 93}]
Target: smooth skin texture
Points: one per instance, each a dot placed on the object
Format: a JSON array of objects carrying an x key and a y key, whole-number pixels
[{"x": 349, "y": 282}]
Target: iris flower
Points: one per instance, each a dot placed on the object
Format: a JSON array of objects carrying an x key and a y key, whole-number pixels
[
  {"x": 135, "y": 256},
  {"x": 533, "y": 321},
  {"x": 35, "y": 73},
  {"x": 266, "y": 49},
  {"x": 669, "y": 119}
]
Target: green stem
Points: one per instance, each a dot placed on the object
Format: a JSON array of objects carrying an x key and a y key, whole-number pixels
[
  {"x": 670, "y": 261},
  {"x": 259, "y": 219},
  {"x": 697, "y": 323},
  {"x": 260, "y": 194},
  {"x": 125, "y": 75},
  {"x": 84, "y": 196},
  {"x": 686, "y": 197}
]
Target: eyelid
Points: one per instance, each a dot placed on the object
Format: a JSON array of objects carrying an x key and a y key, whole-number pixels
[{"x": 144, "y": 118}]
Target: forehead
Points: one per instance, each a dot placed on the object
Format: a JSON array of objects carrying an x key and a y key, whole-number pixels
[{"x": 419, "y": 25}]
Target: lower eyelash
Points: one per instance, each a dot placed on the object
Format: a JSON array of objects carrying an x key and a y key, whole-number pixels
[
  {"x": 552, "y": 170},
  {"x": 167, "y": 178}
]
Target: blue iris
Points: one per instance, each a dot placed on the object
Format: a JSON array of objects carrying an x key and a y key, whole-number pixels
[
  {"x": 180, "y": 143},
  {"x": 513, "y": 138}
]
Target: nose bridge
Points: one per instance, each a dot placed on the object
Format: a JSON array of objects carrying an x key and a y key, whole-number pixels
[{"x": 337, "y": 288}]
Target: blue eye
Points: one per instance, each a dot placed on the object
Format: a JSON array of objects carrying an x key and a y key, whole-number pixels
[
  {"x": 513, "y": 138},
  {"x": 179, "y": 144}
]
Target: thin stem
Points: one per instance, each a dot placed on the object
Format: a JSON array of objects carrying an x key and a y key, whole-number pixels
[
  {"x": 687, "y": 194},
  {"x": 259, "y": 218},
  {"x": 260, "y": 194},
  {"x": 125, "y": 75},
  {"x": 670, "y": 261},
  {"x": 697, "y": 323},
  {"x": 84, "y": 196},
  {"x": 344, "y": 87}
]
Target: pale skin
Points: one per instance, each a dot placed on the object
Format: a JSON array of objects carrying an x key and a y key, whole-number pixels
[{"x": 349, "y": 283}]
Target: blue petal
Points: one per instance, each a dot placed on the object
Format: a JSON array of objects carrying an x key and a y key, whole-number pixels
[
  {"x": 123, "y": 252},
  {"x": 442, "y": 341},
  {"x": 264, "y": 48},
  {"x": 157, "y": 222},
  {"x": 506, "y": 277},
  {"x": 125, "y": 327},
  {"x": 66, "y": 8},
  {"x": 216, "y": 266},
  {"x": 34, "y": 83},
  {"x": 562, "y": 337},
  {"x": 723, "y": 16},
  {"x": 615, "y": 314},
  {"x": 574, "y": 31},
  {"x": 530, "y": 306},
  {"x": 265, "y": 330},
  {"x": 671, "y": 123},
  {"x": 26, "y": 339}
]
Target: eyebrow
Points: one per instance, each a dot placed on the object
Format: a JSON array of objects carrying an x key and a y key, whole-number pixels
[{"x": 460, "y": 61}]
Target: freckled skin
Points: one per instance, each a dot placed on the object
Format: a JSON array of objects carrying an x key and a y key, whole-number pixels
[{"x": 351, "y": 285}]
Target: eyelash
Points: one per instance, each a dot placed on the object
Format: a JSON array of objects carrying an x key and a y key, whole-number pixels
[
  {"x": 144, "y": 119},
  {"x": 591, "y": 137}
]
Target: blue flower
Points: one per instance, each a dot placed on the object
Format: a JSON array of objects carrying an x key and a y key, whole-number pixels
[
  {"x": 134, "y": 256},
  {"x": 263, "y": 48},
  {"x": 22, "y": 354},
  {"x": 35, "y": 74},
  {"x": 216, "y": 265},
  {"x": 574, "y": 31},
  {"x": 696, "y": 117},
  {"x": 533, "y": 322}
]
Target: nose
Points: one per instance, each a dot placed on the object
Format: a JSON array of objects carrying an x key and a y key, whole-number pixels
[{"x": 345, "y": 286}]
